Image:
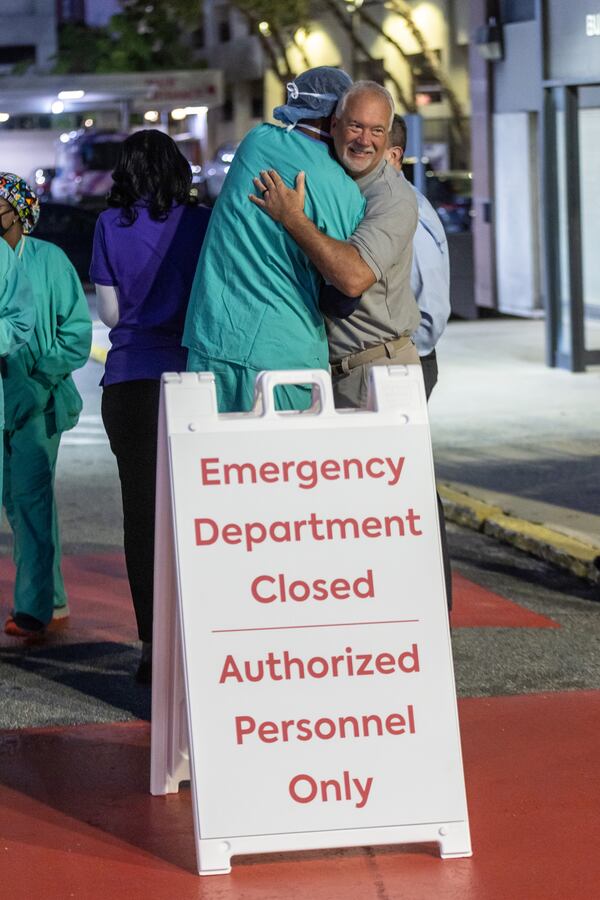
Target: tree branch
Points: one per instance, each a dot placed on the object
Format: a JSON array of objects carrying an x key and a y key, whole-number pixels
[
  {"x": 402, "y": 9},
  {"x": 346, "y": 23}
]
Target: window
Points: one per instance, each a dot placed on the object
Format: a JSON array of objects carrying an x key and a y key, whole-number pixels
[
  {"x": 17, "y": 53},
  {"x": 71, "y": 11},
  {"x": 517, "y": 10},
  {"x": 256, "y": 99},
  {"x": 100, "y": 157},
  {"x": 198, "y": 37},
  {"x": 370, "y": 70},
  {"x": 227, "y": 108},
  {"x": 427, "y": 88},
  {"x": 223, "y": 27}
]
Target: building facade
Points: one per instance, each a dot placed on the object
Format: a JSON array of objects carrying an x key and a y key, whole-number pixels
[
  {"x": 536, "y": 176},
  {"x": 27, "y": 34},
  {"x": 337, "y": 36}
]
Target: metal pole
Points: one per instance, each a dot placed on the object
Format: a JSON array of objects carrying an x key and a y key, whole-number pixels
[
  {"x": 550, "y": 219},
  {"x": 575, "y": 356},
  {"x": 125, "y": 113}
]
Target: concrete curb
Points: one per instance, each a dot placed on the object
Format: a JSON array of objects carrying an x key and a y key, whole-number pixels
[
  {"x": 539, "y": 540},
  {"x": 98, "y": 354}
]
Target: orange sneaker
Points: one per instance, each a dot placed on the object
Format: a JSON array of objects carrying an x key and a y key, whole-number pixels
[{"x": 20, "y": 625}]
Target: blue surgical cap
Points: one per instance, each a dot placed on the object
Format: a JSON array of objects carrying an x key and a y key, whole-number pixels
[{"x": 313, "y": 95}]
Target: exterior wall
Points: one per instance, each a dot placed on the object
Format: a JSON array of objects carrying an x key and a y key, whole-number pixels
[
  {"x": 482, "y": 224},
  {"x": 589, "y": 173},
  {"x": 573, "y": 39},
  {"x": 517, "y": 77},
  {"x": 550, "y": 75},
  {"x": 326, "y": 42},
  {"x": 517, "y": 226},
  {"x": 29, "y": 22},
  {"x": 241, "y": 61}
]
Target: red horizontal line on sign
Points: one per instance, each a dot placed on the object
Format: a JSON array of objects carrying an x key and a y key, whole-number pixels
[{"x": 329, "y": 625}]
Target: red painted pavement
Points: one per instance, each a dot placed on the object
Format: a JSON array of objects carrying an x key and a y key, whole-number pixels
[
  {"x": 101, "y": 608},
  {"x": 99, "y": 599},
  {"x": 76, "y": 819},
  {"x": 477, "y": 607}
]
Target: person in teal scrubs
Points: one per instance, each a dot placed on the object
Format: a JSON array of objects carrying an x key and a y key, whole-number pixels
[
  {"x": 254, "y": 303},
  {"x": 17, "y": 315},
  {"x": 41, "y": 401}
]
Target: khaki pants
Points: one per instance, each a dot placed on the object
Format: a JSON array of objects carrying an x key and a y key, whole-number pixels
[{"x": 350, "y": 391}]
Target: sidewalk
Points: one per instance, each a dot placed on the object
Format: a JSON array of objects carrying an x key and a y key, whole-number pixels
[{"x": 517, "y": 444}]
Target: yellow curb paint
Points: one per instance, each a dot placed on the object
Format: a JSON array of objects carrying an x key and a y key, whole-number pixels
[
  {"x": 533, "y": 537},
  {"x": 481, "y": 510},
  {"x": 562, "y": 542},
  {"x": 98, "y": 354}
]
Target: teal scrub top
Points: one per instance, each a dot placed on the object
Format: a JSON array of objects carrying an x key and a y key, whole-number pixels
[
  {"x": 254, "y": 300},
  {"x": 17, "y": 314},
  {"x": 37, "y": 378}
]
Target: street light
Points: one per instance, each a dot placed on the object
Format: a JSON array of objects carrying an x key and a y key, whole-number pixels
[{"x": 71, "y": 95}]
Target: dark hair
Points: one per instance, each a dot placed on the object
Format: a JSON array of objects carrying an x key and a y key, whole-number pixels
[
  {"x": 397, "y": 136},
  {"x": 151, "y": 168}
]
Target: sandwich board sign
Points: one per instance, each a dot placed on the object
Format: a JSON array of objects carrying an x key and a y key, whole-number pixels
[{"x": 303, "y": 675}]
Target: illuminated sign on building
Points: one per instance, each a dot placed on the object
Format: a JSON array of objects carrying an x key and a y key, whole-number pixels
[{"x": 592, "y": 25}]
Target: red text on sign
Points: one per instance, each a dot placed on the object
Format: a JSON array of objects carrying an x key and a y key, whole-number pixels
[
  {"x": 269, "y": 588},
  {"x": 252, "y": 534},
  {"x": 285, "y": 667},
  {"x": 304, "y": 473},
  {"x": 305, "y": 789},
  {"x": 324, "y": 729}
]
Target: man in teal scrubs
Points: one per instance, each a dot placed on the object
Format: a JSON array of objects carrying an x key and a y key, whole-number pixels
[
  {"x": 255, "y": 299},
  {"x": 41, "y": 401}
]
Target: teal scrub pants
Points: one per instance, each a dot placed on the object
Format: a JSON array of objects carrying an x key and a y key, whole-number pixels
[
  {"x": 28, "y": 496},
  {"x": 235, "y": 385}
]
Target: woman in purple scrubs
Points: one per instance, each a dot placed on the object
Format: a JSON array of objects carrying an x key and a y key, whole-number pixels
[{"x": 146, "y": 249}]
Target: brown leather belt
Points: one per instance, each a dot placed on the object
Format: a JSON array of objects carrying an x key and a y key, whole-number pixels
[{"x": 389, "y": 349}]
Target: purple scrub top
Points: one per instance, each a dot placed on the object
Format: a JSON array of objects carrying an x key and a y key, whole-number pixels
[{"x": 152, "y": 264}]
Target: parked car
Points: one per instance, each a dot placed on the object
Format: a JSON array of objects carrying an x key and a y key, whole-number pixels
[
  {"x": 209, "y": 180},
  {"x": 72, "y": 229},
  {"x": 450, "y": 194}
]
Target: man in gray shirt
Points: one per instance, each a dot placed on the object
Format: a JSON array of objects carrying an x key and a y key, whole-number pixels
[{"x": 376, "y": 260}]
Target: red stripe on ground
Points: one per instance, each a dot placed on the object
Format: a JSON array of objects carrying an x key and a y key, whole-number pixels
[
  {"x": 76, "y": 819},
  {"x": 101, "y": 608},
  {"x": 475, "y": 606}
]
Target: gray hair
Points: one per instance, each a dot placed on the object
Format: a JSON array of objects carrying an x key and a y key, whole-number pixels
[{"x": 364, "y": 87}]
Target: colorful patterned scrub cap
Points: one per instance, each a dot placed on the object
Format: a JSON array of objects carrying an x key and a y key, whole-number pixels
[{"x": 23, "y": 200}]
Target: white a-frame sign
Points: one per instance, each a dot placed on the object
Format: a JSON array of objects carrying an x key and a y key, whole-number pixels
[{"x": 302, "y": 664}]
